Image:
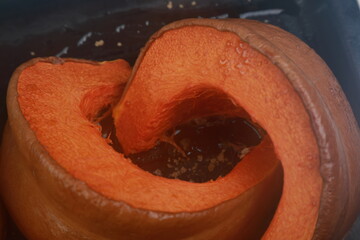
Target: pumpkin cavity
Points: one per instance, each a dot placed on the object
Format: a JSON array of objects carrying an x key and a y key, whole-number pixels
[{"x": 199, "y": 150}]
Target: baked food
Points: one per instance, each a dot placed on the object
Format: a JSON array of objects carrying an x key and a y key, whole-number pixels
[{"x": 77, "y": 183}]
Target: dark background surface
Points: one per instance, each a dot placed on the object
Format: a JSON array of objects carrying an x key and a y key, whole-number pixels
[{"x": 39, "y": 28}]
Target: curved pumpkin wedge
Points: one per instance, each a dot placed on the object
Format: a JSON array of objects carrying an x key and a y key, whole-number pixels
[
  {"x": 284, "y": 87},
  {"x": 70, "y": 184},
  {"x": 61, "y": 180}
]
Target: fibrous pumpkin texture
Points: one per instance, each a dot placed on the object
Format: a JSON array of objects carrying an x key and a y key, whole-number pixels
[
  {"x": 300, "y": 182},
  {"x": 203, "y": 60}
]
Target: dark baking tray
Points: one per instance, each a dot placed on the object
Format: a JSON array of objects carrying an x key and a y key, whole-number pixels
[{"x": 67, "y": 28}]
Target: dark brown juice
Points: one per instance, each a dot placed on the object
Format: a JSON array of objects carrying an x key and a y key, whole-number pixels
[{"x": 200, "y": 150}]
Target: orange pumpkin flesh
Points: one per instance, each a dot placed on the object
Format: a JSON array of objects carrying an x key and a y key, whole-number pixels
[
  {"x": 65, "y": 136},
  {"x": 55, "y": 154},
  {"x": 282, "y": 85},
  {"x": 104, "y": 170},
  {"x": 231, "y": 67}
]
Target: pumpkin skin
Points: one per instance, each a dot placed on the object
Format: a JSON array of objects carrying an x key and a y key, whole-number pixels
[
  {"x": 65, "y": 207},
  {"x": 334, "y": 197},
  {"x": 2, "y": 223}
]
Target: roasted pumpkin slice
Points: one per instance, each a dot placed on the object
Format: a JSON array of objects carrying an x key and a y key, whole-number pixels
[
  {"x": 282, "y": 85},
  {"x": 61, "y": 179}
]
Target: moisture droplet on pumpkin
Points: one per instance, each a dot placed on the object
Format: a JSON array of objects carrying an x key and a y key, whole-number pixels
[
  {"x": 240, "y": 65},
  {"x": 244, "y": 152},
  {"x": 259, "y": 63},
  {"x": 244, "y": 53},
  {"x": 223, "y": 61}
]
